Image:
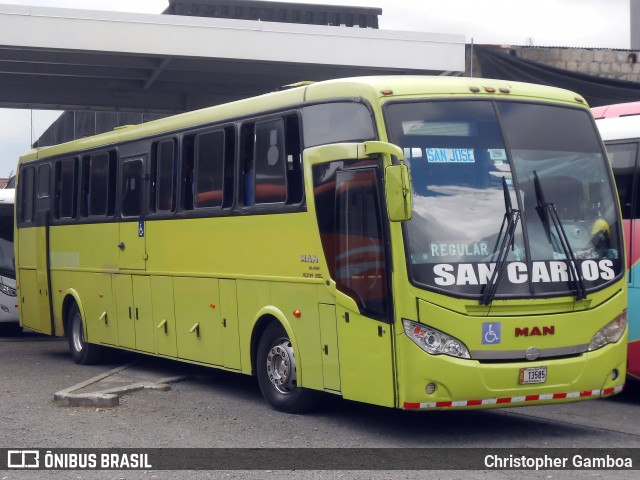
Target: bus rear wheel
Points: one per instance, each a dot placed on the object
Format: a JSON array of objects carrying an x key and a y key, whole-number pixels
[
  {"x": 82, "y": 352},
  {"x": 277, "y": 373}
]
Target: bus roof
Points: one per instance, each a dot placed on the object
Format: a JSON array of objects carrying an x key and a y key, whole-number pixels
[
  {"x": 616, "y": 110},
  {"x": 7, "y": 196},
  {"x": 371, "y": 88},
  {"x": 619, "y": 128}
]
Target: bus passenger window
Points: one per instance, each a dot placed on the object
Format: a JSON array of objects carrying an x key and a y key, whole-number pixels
[
  {"x": 209, "y": 174},
  {"x": 43, "y": 180},
  {"x": 132, "y": 187},
  {"x": 623, "y": 160},
  {"x": 294, "y": 159},
  {"x": 246, "y": 160},
  {"x": 163, "y": 174},
  {"x": 101, "y": 184},
  {"x": 269, "y": 162},
  {"x": 187, "y": 172},
  {"x": 27, "y": 194},
  {"x": 65, "y": 188}
]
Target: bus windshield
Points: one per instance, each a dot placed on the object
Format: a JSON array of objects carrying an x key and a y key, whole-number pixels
[
  {"x": 7, "y": 267},
  {"x": 510, "y": 196}
]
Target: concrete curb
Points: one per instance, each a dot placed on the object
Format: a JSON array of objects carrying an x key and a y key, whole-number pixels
[{"x": 109, "y": 397}]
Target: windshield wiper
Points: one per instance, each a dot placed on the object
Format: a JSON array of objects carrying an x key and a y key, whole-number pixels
[
  {"x": 548, "y": 211},
  {"x": 506, "y": 238}
]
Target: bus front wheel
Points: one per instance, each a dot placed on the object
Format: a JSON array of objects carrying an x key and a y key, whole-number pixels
[
  {"x": 82, "y": 352},
  {"x": 277, "y": 373}
]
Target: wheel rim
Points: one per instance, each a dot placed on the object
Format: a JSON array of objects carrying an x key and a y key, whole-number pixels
[
  {"x": 77, "y": 334},
  {"x": 281, "y": 366}
]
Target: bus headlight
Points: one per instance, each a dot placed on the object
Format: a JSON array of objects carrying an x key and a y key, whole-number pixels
[
  {"x": 434, "y": 341},
  {"x": 610, "y": 333},
  {"x": 7, "y": 290}
]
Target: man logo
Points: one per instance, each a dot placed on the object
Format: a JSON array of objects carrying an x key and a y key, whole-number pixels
[{"x": 535, "y": 331}]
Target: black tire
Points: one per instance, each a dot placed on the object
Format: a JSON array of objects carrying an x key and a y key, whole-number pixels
[
  {"x": 82, "y": 352},
  {"x": 276, "y": 371}
]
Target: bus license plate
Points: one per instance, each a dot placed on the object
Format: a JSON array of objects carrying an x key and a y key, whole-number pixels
[{"x": 533, "y": 375}]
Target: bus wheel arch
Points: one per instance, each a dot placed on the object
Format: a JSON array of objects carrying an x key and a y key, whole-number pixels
[
  {"x": 82, "y": 352},
  {"x": 274, "y": 362}
]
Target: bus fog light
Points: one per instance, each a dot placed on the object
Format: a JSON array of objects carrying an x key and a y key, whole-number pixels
[
  {"x": 434, "y": 341},
  {"x": 430, "y": 388},
  {"x": 610, "y": 333},
  {"x": 614, "y": 374}
]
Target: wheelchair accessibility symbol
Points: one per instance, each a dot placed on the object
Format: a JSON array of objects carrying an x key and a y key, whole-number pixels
[{"x": 491, "y": 333}]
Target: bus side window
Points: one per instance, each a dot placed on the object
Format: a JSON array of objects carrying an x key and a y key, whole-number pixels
[
  {"x": 361, "y": 269},
  {"x": 209, "y": 169},
  {"x": 247, "y": 181},
  {"x": 27, "y": 194},
  {"x": 348, "y": 211},
  {"x": 187, "y": 177},
  {"x": 98, "y": 184},
  {"x": 623, "y": 160},
  {"x": 163, "y": 174},
  {"x": 269, "y": 162},
  {"x": 132, "y": 187},
  {"x": 43, "y": 200},
  {"x": 294, "y": 157},
  {"x": 66, "y": 171}
]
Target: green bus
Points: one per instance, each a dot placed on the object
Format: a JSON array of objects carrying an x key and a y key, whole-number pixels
[{"x": 405, "y": 241}]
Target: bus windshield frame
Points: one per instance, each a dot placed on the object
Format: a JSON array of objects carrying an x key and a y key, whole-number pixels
[{"x": 472, "y": 162}]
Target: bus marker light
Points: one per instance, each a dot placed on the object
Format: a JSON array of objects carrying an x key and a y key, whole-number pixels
[
  {"x": 474, "y": 89},
  {"x": 430, "y": 388},
  {"x": 614, "y": 374},
  {"x": 505, "y": 90},
  {"x": 212, "y": 305},
  {"x": 489, "y": 89},
  {"x": 101, "y": 295},
  {"x": 387, "y": 92},
  {"x": 297, "y": 313}
]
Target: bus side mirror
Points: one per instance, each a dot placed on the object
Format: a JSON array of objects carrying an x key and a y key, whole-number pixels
[{"x": 398, "y": 193}]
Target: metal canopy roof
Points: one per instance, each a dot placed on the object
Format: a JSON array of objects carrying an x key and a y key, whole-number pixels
[{"x": 66, "y": 59}]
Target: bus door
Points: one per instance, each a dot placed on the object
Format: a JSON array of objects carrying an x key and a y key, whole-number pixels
[
  {"x": 41, "y": 318},
  {"x": 362, "y": 278},
  {"x": 132, "y": 245},
  {"x": 132, "y": 291}
]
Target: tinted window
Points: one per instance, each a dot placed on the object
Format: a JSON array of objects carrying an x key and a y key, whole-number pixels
[
  {"x": 164, "y": 176},
  {"x": 209, "y": 172},
  {"x": 99, "y": 177},
  {"x": 44, "y": 174},
  {"x": 336, "y": 122},
  {"x": 623, "y": 159},
  {"x": 132, "y": 187},
  {"x": 7, "y": 267},
  {"x": 269, "y": 162},
  {"x": 65, "y": 181},
  {"x": 26, "y": 194}
]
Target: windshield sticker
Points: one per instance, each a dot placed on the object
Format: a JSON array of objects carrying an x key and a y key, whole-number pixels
[
  {"x": 491, "y": 333},
  {"x": 446, "y": 274},
  {"x": 498, "y": 155},
  {"x": 459, "y": 249},
  {"x": 450, "y": 155}
]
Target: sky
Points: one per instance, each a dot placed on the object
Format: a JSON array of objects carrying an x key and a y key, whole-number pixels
[{"x": 566, "y": 23}]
